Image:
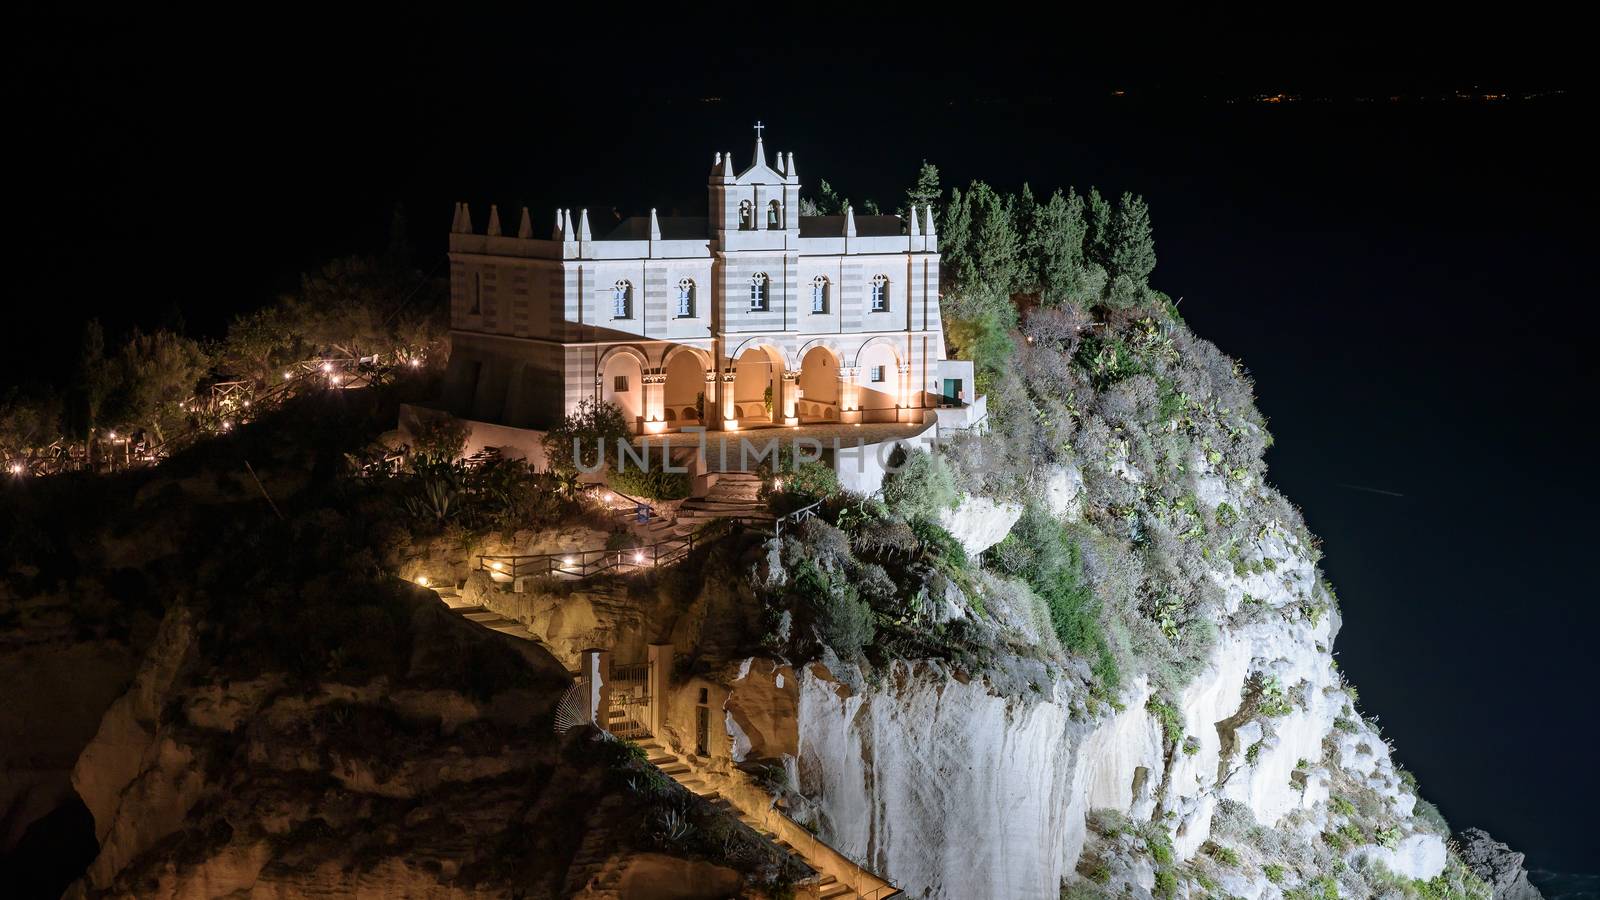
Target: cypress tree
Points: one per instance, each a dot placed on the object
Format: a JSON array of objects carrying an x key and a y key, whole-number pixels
[
  {"x": 1097, "y": 239},
  {"x": 996, "y": 251},
  {"x": 926, "y": 191},
  {"x": 1133, "y": 253},
  {"x": 1056, "y": 247},
  {"x": 955, "y": 232}
]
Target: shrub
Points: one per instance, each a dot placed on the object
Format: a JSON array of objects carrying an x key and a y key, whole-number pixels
[
  {"x": 1274, "y": 872},
  {"x": 1171, "y": 720},
  {"x": 1224, "y": 855},
  {"x": 652, "y": 484},
  {"x": 844, "y": 620},
  {"x": 1040, "y": 552},
  {"x": 805, "y": 480},
  {"x": 591, "y": 428},
  {"x": 438, "y": 439},
  {"x": 921, "y": 487}
]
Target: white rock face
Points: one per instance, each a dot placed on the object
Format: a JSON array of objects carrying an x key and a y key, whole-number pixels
[
  {"x": 979, "y": 523},
  {"x": 1063, "y": 492},
  {"x": 1418, "y": 856},
  {"x": 949, "y": 790}
]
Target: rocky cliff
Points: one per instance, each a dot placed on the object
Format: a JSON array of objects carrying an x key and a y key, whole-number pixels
[{"x": 1126, "y": 682}]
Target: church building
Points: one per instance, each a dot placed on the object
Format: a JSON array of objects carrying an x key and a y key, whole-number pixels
[{"x": 753, "y": 316}]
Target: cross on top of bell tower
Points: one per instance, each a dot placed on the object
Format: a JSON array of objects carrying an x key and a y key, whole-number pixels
[{"x": 759, "y": 126}]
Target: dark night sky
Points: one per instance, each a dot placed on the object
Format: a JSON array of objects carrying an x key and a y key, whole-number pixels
[{"x": 1401, "y": 278}]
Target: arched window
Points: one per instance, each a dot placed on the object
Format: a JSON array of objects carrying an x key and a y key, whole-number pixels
[
  {"x": 819, "y": 294},
  {"x": 758, "y": 292},
  {"x": 685, "y": 299},
  {"x": 622, "y": 300},
  {"x": 747, "y": 218},
  {"x": 880, "y": 293},
  {"x": 774, "y": 215}
]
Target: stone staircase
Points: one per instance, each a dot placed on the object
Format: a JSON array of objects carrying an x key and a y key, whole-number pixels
[
  {"x": 827, "y": 887},
  {"x": 482, "y": 615},
  {"x": 736, "y": 494}
]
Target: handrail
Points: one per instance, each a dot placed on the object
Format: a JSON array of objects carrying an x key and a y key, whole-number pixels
[
  {"x": 580, "y": 564},
  {"x": 649, "y": 508},
  {"x": 799, "y": 515}
]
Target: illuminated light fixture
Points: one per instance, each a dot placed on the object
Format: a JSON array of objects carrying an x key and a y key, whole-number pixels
[
  {"x": 227, "y": 426},
  {"x": 497, "y": 565},
  {"x": 286, "y": 376},
  {"x": 111, "y": 435},
  {"x": 414, "y": 362},
  {"x": 567, "y": 562},
  {"x": 422, "y": 580},
  {"x": 777, "y": 484},
  {"x": 609, "y": 498},
  {"x": 15, "y": 468},
  {"x": 247, "y": 404},
  {"x": 638, "y": 556},
  {"x": 327, "y": 367},
  {"x": 333, "y": 379}
]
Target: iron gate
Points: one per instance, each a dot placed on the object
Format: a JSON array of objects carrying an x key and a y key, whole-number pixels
[{"x": 629, "y": 715}]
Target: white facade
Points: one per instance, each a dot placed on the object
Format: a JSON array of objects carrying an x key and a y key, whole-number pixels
[{"x": 753, "y": 315}]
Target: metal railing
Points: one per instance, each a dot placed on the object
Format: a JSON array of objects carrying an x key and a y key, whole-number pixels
[
  {"x": 795, "y": 518},
  {"x": 608, "y": 496},
  {"x": 579, "y": 564}
]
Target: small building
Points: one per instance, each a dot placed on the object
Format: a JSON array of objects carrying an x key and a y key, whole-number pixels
[{"x": 753, "y": 316}]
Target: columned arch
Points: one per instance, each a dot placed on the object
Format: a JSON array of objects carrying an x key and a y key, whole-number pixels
[
  {"x": 755, "y": 395},
  {"x": 686, "y": 390},
  {"x": 880, "y": 387},
  {"x": 622, "y": 371},
  {"x": 819, "y": 387}
]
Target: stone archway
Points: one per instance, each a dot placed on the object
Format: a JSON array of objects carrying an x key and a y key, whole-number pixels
[
  {"x": 818, "y": 386},
  {"x": 878, "y": 383},
  {"x": 622, "y": 383},
  {"x": 757, "y": 389},
  {"x": 684, "y": 393}
]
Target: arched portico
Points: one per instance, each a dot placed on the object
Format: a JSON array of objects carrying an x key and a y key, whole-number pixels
[
  {"x": 819, "y": 385},
  {"x": 754, "y": 390},
  {"x": 879, "y": 381},
  {"x": 622, "y": 376},
  {"x": 686, "y": 388}
]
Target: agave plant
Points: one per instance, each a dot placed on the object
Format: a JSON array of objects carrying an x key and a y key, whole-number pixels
[{"x": 675, "y": 826}]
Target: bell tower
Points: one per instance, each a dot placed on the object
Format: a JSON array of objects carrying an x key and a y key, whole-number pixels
[{"x": 761, "y": 198}]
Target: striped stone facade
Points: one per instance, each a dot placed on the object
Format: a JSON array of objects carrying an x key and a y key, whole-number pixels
[{"x": 540, "y": 325}]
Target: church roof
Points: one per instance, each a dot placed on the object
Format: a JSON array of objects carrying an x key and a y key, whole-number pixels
[
  {"x": 866, "y": 226},
  {"x": 673, "y": 228}
]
